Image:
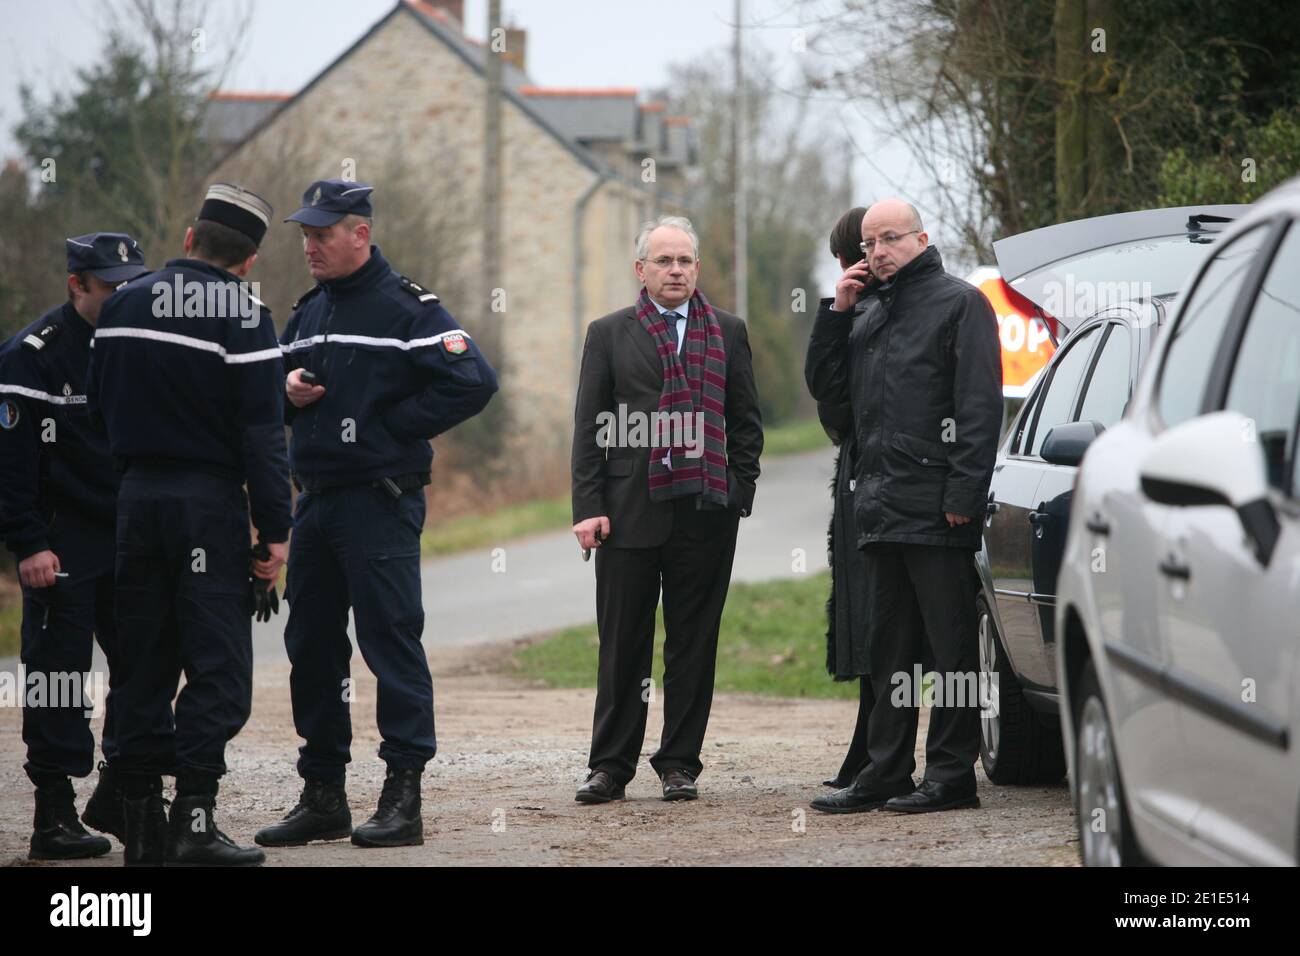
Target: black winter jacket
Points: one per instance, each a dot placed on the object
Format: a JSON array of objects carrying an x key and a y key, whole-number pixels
[{"x": 922, "y": 370}]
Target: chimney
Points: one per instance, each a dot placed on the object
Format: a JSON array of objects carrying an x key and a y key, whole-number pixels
[
  {"x": 516, "y": 46},
  {"x": 454, "y": 9}
]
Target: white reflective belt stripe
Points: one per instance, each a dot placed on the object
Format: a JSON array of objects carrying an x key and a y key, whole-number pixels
[
  {"x": 402, "y": 344},
  {"x": 203, "y": 345},
  {"x": 42, "y": 396}
]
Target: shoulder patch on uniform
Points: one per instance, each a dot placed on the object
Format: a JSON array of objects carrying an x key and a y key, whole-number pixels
[
  {"x": 41, "y": 338},
  {"x": 8, "y": 414},
  {"x": 304, "y": 297},
  {"x": 454, "y": 342},
  {"x": 421, "y": 293}
]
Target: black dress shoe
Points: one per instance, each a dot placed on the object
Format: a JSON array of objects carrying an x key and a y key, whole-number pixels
[
  {"x": 397, "y": 821},
  {"x": 193, "y": 838},
  {"x": 679, "y": 785},
  {"x": 57, "y": 834},
  {"x": 104, "y": 808},
  {"x": 931, "y": 796},
  {"x": 321, "y": 814},
  {"x": 857, "y": 797},
  {"x": 599, "y": 788}
]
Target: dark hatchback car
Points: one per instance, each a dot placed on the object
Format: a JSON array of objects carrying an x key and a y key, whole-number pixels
[{"x": 1110, "y": 282}]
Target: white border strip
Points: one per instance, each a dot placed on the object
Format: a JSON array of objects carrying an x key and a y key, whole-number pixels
[
  {"x": 402, "y": 344},
  {"x": 42, "y": 396},
  {"x": 203, "y": 345}
]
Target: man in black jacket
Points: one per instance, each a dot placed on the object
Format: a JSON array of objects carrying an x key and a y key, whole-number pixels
[
  {"x": 661, "y": 506},
  {"x": 185, "y": 370},
  {"x": 922, "y": 370}
]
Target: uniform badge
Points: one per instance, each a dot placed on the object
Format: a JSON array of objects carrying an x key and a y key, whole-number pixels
[
  {"x": 315, "y": 197},
  {"x": 8, "y": 414},
  {"x": 121, "y": 252},
  {"x": 455, "y": 343}
]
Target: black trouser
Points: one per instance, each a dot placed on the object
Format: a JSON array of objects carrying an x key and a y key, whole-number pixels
[
  {"x": 858, "y": 756},
  {"x": 183, "y": 606},
  {"x": 694, "y": 565},
  {"x": 57, "y": 649},
  {"x": 358, "y": 547},
  {"x": 923, "y": 598}
]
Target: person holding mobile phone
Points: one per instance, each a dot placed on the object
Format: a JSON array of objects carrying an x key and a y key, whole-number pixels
[{"x": 376, "y": 367}]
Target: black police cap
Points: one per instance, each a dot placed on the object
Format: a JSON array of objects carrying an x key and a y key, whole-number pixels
[
  {"x": 326, "y": 201},
  {"x": 111, "y": 256},
  {"x": 237, "y": 208}
]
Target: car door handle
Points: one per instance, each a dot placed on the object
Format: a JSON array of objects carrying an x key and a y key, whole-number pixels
[
  {"x": 1097, "y": 525},
  {"x": 1171, "y": 567}
]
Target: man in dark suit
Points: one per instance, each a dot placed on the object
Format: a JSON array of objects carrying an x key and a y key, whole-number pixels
[{"x": 667, "y": 436}]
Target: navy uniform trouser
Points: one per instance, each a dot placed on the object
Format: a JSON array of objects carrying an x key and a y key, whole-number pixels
[
  {"x": 357, "y": 547},
  {"x": 60, "y": 625},
  {"x": 184, "y": 606}
]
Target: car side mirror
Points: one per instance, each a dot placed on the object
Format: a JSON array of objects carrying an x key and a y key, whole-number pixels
[
  {"x": 1214, "y": 459},
  {"x": 1065, "y": 444}
]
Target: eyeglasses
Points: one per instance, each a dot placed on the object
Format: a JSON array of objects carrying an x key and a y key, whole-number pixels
[
  {"x": 664, "y": 262},
  {"x": 889, "y": 239}
]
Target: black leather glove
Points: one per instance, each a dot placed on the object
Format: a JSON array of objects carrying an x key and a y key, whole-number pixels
[{"x": 265, "y": 601}]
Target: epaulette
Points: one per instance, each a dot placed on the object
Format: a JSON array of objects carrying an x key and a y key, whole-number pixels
[
  {"x": 38, "y": 340},
  {"x": 421, "y": 293},
  {"x": 305, "y": 296}
]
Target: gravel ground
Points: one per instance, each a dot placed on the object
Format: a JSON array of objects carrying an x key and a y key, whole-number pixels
[{"x": 501, "y": 789}]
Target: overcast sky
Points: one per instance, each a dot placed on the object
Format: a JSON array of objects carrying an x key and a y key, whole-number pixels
[{"x": 569, "y": 43}]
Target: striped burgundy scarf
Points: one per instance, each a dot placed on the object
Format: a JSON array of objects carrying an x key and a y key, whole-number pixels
[{"x": 695, "y": 381}]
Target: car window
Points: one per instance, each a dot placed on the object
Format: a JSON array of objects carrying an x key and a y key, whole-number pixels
[
  {"x": 1058, "y": 398},
  {"x": 1265, "y": 379},
  {"x": 1197, "y": 335},
  {"x": 1108, "y": 388}
]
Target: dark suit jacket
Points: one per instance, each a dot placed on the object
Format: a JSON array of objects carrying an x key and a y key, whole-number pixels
[{"x": 620, "y": 366}]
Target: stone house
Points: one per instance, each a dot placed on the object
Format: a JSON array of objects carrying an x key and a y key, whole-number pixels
[{"x": 403, "y": 109}]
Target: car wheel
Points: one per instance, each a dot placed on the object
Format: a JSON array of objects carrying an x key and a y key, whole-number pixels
[
  {"x": 1105, "y": 827},
  {"x": 1018, "y": 745}
]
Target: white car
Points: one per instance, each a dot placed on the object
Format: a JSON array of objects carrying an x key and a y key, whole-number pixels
[{"x": 1178, "y": 600}]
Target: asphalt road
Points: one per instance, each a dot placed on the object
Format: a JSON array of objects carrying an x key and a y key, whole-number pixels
[{"x": 542, "y": 583}]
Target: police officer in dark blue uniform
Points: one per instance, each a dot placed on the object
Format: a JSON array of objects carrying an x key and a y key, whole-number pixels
[
  {"x": 376, "y": 368},
  {"x": 57, "y": 489},
  {"x": 188, "y": 376}
]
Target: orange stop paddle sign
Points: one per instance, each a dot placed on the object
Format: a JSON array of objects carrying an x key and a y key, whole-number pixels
[{"x": 1026, "y": 341}]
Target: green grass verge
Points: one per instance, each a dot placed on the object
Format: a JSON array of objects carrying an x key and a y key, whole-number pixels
[
  {"x": 773, "y": 642},
  {"x": 11, "y": 619},
  {"x": 489, "y": 530},
  {"x": 553, "y": 514},
  {"x": 791, "y": 438}
]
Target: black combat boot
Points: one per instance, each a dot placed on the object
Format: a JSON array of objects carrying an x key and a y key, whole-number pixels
[
  {"x": 57, "y": 834},
  {"x": 145, "y": 822},
  {"x": 397, "y": 822},
  {"x": 193, "y": 838},
  {"x": 104, "y": 808},
  {"x": 321, "y": 814}
]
